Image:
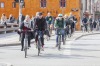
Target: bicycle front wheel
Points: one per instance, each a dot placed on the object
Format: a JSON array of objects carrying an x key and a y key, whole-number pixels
[
  {"x": 59, "y": 42},
  {"x": 39, "y": 47},
  {"x": 25, "y": 53}
]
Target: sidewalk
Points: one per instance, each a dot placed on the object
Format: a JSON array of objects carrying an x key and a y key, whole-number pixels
[{"x": 12, "y": 39}]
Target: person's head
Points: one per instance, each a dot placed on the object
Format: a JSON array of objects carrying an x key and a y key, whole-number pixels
[
  {"x": 40, "y": 15},
  {"x": 3, "y": 14},
  {"x": 66, "y": 16},
  {"x": 49, "y": 14},
  {"x": 60, "y": 16},
  {"x": 10, "y": 15},
  {"x": 37, "y": 14},
  {"x": 70, "y": 14},
  {"x": 27, "y": 18}
]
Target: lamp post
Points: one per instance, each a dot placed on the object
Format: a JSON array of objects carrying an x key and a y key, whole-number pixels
[{"x": 21, "y": 2}]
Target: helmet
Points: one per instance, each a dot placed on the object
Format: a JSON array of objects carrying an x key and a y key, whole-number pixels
[{"x": 60, "y": 15}]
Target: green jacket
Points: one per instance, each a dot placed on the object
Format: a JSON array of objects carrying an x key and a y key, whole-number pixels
[{"x": 59, "y": 23}]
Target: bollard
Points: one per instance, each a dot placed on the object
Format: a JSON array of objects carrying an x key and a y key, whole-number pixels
[{"x": 5, "y": 29}]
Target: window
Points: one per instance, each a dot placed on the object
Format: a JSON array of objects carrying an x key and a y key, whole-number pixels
[
  {"x": 1, "y": 4},
  {"x": 62, "y": 3},
  {"x": 14, "y": 4},
  {"x": 43, "y": 3}
]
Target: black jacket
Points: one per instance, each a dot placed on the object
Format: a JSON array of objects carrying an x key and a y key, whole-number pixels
[{"x": 40, "y": 24}]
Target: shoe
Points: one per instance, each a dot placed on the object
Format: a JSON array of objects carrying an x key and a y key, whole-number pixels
[
  {"x": 42, "y": 48},
  {"x": 29, "y": 46},
  {"x": 56, "y": 45},
  {"x": 22, "y": 49}
]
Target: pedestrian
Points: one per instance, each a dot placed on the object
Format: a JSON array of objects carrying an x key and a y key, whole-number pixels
[
  {"x": 11, "y": 19},
  {"x": 4, "y": 20},
  {"x": 20, "y": 19},
  {"x": 85, "y": 23},
  {"x": 91, "y": 23},
  {"x": 95, "y": 24}
]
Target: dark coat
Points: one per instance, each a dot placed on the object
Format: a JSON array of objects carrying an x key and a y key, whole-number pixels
[{"x": 40, "y": 24}]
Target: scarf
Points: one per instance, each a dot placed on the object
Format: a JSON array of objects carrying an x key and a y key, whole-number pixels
[{"x": 27, "y": 24}]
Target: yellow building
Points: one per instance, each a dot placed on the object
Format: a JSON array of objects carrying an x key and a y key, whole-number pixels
[{"x": 32, "y": 6}]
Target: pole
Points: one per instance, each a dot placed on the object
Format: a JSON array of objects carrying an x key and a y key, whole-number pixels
[{"x": 20, "y": 12}]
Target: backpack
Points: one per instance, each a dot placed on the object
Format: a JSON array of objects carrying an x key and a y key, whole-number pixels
[{"x": 60, "y": 23}]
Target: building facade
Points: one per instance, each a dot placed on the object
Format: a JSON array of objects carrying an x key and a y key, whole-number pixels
[
  {"x": 88, "y": 6},
  {"x": 30, "y": 7}
]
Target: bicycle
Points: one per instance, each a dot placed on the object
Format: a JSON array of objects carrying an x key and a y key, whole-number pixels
[
  {"x": 59, "y": 39},
  {"x": 39, "y": 42},
  {"x": 26, "y": 41}
]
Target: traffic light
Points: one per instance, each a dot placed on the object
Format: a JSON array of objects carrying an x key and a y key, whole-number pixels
[{"x": 18, "y": 1}]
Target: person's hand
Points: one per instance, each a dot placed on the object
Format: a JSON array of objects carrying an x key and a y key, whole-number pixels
[
  {"x": 19, "y": 30},
  {"x": 51, "y": 26}
]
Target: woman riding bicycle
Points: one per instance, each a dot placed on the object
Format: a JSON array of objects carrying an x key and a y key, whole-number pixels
[{"x": 25, "y": 26}]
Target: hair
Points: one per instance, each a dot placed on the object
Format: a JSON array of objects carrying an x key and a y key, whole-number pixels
[
  {"x": 3, "y": 14},
  {"x": 27, "y": 16}
]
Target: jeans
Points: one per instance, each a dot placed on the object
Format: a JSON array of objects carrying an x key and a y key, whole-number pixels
[
  {"x": 86, "y": 27},
  {"x": 62, "y": 32},
  {"x": 41, "y": 35}
]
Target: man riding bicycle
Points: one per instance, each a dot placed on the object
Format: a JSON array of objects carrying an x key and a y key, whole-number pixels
[
  {"x": 49, "y": 20},
  {"x": 59, "y": 25},
  {"x": 40, "y": 26}
]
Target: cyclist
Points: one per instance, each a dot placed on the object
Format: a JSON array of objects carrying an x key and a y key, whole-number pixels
[
  {"x": 67, "y": 24},
  {"x": 59, "y": 25},
  {"x": 26, "y": 25},
  {"x": 40, "y": 25},
  {"x": 49, "y": 20},
  {"x": 91, "y": 23},
  {"x": 72, "y": 24}
]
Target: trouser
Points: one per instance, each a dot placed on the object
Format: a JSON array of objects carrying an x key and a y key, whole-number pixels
[
  {"x": 91, "y": 27},
  {"x": 62, "y": 31},
  {"x": 22, "y": 40},
  {"x": 42, "y": 37},
  {"x": 86, "y": 27}
]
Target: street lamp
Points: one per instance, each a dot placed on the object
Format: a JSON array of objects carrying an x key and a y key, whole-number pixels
[{"x": 21, "y": 2}]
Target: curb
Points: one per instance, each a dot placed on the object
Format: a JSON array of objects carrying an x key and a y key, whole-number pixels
[
  {"x": 85, "y": 35},
  {"x": 3, "y": 45}
]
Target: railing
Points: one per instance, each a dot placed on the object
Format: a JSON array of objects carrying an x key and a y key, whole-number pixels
[{"x": 11, "y": 27}]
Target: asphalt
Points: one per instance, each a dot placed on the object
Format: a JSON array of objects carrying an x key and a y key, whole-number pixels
[{"x": 77, "y": 35}]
